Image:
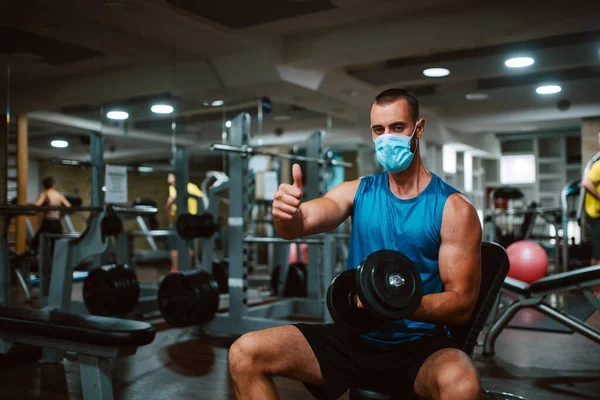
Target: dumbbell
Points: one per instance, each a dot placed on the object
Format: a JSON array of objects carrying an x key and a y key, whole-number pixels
[
  {"x": 388, "y": 285},
  {"x": 191, "y": 226},
  {"x": 188, "y": 298},
  {"x": 111, "y": 290}
]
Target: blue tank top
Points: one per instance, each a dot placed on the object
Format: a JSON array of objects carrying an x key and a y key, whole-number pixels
[{"x": 380, "y": 220}]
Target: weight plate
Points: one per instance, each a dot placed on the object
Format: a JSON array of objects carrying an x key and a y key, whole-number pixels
[
  {"x": 188, "y": 298},
  {"x": 220, "y": 270},
  {"x": 295, "y": 285},
  {"x": 390, "y": 285},
  {"x": 99, "y": 294},
  {"x": 130, "y": 292},
  {"x": 342, "y": 309}
]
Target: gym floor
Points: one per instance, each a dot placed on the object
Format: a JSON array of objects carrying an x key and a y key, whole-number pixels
[{"x": 180, "y": 364}]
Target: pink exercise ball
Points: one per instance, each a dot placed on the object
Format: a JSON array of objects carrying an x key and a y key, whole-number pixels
[{"x": 528, "y": 261}]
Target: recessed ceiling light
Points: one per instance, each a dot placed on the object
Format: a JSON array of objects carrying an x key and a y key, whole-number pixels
[
  {"x": 228, "y": 124},
  {"x": 436, "y": 72},
  {"x": 59, "y": 144},
  {"x": 217, "y": 103},
  {"x": 119, "y": 115},
  {"x": 519, "y": 62},
  {"x": 548, "y": 89},
  {"x": 280, "y": 118},
  {"x": 162, "y": 109},
  {"x": 477, "y": 96}
]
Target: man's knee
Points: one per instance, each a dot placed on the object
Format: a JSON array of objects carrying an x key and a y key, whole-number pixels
[
  {"x": 243, "y": 354},
  {"x": 459, "y": 380}
]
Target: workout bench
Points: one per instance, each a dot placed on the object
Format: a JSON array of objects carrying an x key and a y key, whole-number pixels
[
  {"x": 97, "y": 340},
  {"x": 533, "y": 295}
]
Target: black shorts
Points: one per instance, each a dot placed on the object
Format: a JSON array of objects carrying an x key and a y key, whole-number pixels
[
  {"x": 47, "y": 226},
  {"x": 595, "y": 225},
  {"x": 347, "y": 361}
]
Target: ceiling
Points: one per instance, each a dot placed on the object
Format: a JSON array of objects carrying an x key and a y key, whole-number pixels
[{"x": 321, "y": 62}]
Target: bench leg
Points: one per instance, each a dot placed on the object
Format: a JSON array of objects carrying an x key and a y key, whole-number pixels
[
  {"x": 576, "y": 324},
  {"x": 498, "y": 326},
  {"x": 95, "y": 378}
]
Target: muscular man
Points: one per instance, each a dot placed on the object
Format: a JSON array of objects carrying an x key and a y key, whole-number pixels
[
  {"x": 171, "y": 207},
  {"x": 51, "y": 220},
  {"x": 407, "y": 209}
]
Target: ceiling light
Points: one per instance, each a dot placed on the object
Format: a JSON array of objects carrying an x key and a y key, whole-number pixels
[
  {"x": 215, "y": 103},
  {"x": 436, "y": 72},
  {"x": 280, "y": 118},
  {"x": 119, "y": 115},
  {"x": 548, "y": 89},
  {"x": 477, "y": 96},
  {"x": 519, "y": 62},
  {"x": 59, "y": 144},
  {"x": 162, "y": 109},
  {"x": 228, "y": 124}
]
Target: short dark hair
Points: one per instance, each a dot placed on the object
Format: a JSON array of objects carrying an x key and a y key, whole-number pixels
[
  {"x": 390, "y": 96},
  {"x": 48, "y": 182}
]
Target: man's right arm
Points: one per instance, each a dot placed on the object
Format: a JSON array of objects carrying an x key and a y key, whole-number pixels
[
  {"x": 319, "y": 215},
  {"x": 64, "y": 201}
]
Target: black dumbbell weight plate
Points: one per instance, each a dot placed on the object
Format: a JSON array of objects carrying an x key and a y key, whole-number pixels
[
  {"x": 186, "y": 299},
  {"x": 99, "y": 292},
  {"x": 390, "y": 285},
  {"x": 207, "y": 292},
  {"x": 342, "y": 309},
  {"x": 175, "y": 300}
]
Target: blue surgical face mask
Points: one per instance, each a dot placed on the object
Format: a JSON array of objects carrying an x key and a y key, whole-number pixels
[{"x": 393, "y": 151}]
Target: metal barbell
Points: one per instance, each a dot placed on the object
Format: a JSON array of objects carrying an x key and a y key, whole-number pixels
[{"x": 248, "y": 150}]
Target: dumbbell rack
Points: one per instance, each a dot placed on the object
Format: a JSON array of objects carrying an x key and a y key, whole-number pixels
[{"x": 240, "y": 318}]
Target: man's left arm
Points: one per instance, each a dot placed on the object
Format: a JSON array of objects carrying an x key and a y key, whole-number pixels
[{"x": 460, "y": 266}]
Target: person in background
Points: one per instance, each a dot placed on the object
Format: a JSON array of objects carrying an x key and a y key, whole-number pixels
[
  {"x": 51, "y": 220},
  {"x": 591, "y": 184},
  {"x": 195, "y": 193}
]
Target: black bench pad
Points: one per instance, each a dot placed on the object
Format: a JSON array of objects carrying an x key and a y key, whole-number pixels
[
  {"x": 553, "y": 282},
  {"x": 565, "y": 279},
  {"x": 516, "y": 286},
  {"x": 99, "y": 331}
]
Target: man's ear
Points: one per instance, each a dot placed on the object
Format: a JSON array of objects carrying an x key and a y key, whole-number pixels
[{"x": 420, "y": 128}]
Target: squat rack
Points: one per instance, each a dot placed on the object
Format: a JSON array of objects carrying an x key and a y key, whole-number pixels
[{"x": 240, "y": 318}]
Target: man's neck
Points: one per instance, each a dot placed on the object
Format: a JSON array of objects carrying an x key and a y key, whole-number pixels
[{"x": 411, "y": 182}]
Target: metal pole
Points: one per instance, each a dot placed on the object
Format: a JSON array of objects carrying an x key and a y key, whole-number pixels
[
  {"x": 97, "y": 157},
  {"x": 256, "y": 239},
  {"x": 238, "y": 176},
  {"x": 565, "y": 228},
  {"x": 260, "y": 117},
  {"x": 247, "y": 150},
  {"x": 329, "y": 252},
  {"x": 144, "y": 228},
  {"x": 312, "y": 190},
  {"x": 180, "y": 164},
  {"x": 5, "y": 291}
]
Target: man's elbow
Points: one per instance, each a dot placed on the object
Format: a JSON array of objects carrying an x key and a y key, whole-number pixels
[{"x": 463, "y": 313}]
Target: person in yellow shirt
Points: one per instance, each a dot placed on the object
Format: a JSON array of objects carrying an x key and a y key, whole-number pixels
[{"x": 195, "y": 193}]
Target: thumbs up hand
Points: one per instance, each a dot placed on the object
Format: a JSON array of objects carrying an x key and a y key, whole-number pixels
[{"x": 288, "y": 197}]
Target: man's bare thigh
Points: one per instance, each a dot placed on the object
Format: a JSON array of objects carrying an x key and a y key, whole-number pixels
[{"x": 284, "y": 351}]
